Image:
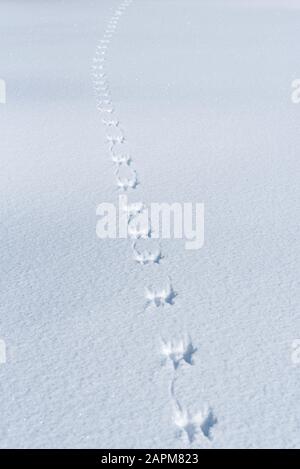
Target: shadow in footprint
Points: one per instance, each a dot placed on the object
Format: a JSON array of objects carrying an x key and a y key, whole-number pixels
[
  {"x": 194, "y": 425},
  {"x": 126, "y": 183},
  {"x": 179, "y": 351},
  {"x": 208, "y": 424},
  {"x": 163, "y": 297},
  {"x": 146, "y": 257}
]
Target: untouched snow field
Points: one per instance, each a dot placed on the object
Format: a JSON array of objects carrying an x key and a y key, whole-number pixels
[{"x": 203, "y": 93}]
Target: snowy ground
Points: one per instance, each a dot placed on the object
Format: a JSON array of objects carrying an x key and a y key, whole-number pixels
[{"x": 202, "y": 89}]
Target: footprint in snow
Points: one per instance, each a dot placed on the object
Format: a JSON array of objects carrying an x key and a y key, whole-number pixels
[
  {"x": 137, "y": 230},
  {"x": 102, "y": 46},
  {"x": 126, "y": 183},
  {"x": 97, "y": 76},
  {"x": 115, "y": 135},
  {"x": 146, "y": 257},
  {"x": 110, "y": 122},
  {"x": 101, "y": 97},
  {"x": 121, "y": 159},
  {"x": 96, "y": 67},
  {"x": 178, "y": 352},
  {"x": 160, "y": 297},
  {"x": 192, "y": 425},
  {"x": 105, "y": 109},
  {"x": 133, "y": 209},
  {"x": 100, "y": 82}
]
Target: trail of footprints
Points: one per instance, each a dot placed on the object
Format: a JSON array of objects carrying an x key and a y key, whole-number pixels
[
  {"x": 181, "y": 352},
  {"x": 191, "y": 426}
]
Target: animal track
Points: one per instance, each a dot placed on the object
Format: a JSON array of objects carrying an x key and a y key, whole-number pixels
[
  {"x": 115, "y": 138},
  {"x": 114, "y": 134},
  {"x": 119, "y": 153},
  {"x": 126, "y": 183},
  {"x": 146, "y": 257},
  {"x": 179, "y": 351},
  {"x": 110, "y": 122},
  {"x": 191, "y": 425},
  {"x": 121, "y": 159},
  {"x": 161, "y": 297},
  {"x": 138, "y": 231},
  {"x": 105, "y": 109},
  {"x": 132, "y": 209}
]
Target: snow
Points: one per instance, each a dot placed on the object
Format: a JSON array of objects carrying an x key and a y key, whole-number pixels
[{"x": 202, "y": 91}]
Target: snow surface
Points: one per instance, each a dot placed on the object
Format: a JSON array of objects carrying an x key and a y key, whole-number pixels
[{"x": 202, "y": 89}]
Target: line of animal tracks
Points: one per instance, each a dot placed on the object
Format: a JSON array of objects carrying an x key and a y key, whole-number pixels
[{"x": 191, "y": 427}]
